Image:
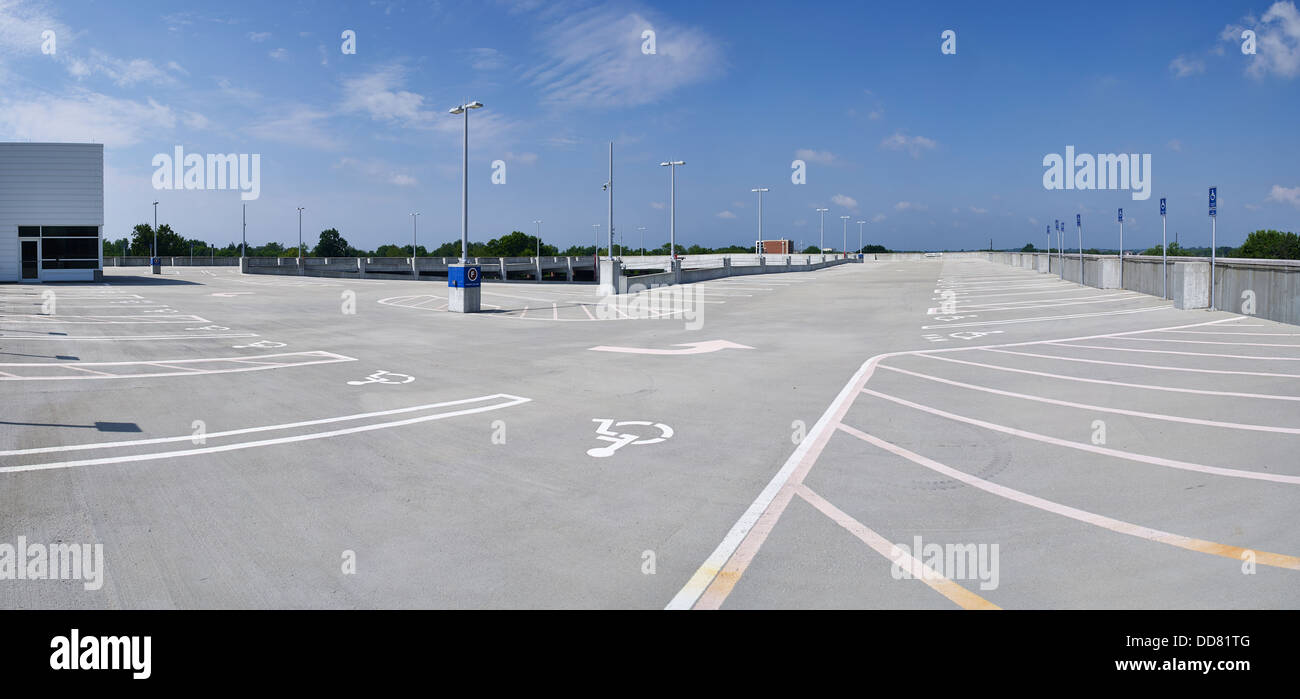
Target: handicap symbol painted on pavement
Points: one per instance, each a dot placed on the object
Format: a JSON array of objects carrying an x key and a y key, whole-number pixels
[
  {"x": 260, "y": 344},
  {"x": 617, "y": 440},
  {"x": 382, "y": 376}
]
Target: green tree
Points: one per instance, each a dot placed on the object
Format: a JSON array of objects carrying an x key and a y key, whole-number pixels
[
  {"x": 1175, "y": 250},
  {"x": 1029, "y": 247},
  {"x": 331, "y": 244},
  {"x": 812, "y": 250},
  {"x": 1270, "y": 245}
]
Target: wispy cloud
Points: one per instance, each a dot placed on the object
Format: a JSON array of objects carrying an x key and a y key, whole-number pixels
[
  {"x": 485, "y": 59},
  {"x": 1182, "y": 66},
  {"x": 259, "y": 36},
  {"x": 912, "y": 144},
  {"x": 278, "y": 54},
  {"x": 823, "y": 157},
  {"x": 725, "y": 214},
  {"x": 1277, "y": 36},
  {"x": 1285, "y": 195},
  {"x": 596, "y": 60},
  {"x": 85, "y": 116},
  {"x": 845, "y": 201},
  {"x": 298, "y": 125},
  {"x": 908, "y": 206},
  {"x": 124, "y": 73}
]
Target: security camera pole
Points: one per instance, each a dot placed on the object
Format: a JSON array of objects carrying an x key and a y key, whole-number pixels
[{"x": 464, "y": 292}]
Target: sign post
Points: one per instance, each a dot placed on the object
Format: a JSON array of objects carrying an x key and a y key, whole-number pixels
[
  {"x": 1078, "y": 225},
  {"x": 1060, "y": 248},
  {"x": 1164, "y": 249},
  {"x": 1121, "y": 247},
  {"x": 1214, "y": 210}
]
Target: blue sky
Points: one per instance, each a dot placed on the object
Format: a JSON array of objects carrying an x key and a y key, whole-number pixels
[{"x": 934, "y": 151}]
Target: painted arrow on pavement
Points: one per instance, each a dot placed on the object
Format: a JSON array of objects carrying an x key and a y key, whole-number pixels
[{"x": 689, "y": 348}]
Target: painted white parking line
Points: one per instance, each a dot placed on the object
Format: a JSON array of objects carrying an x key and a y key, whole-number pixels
[
  {"x": 506, "y": 401},
  {"x": 101, "y": 320},
  {"x": 53, "y": 371},
  {"x": 1115, "y": 525},
  {"x": 1108, "y": 382},
  {"x": 1210, "y": 342},
  {"x": 124, "y": 338},
  {"x": 1097, "y": 408},
  {"x": 1230, "y": 334},
  {"x": 1186, "y": 354},
  {"x": 1039, "y": 319},
  {"x": 1147, "y": 366}
]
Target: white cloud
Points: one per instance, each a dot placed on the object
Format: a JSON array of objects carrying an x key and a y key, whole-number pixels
[
  {"x": 521, "y": 158},
  {"x": 259, "y": 36},
  {"x": 845, "y": 201},
  {"x": 176, "y": 67},
  {"x": 1285, "y": 195},
  {"x": 85, "y": 116},
  {"x": 124, "y": 73},
  {"x": 876, "y": 114},
  {"x": 725, "y": 214},
  {"x": 824, "y": 157},
  {"x": 297, "y": 125},
  {"x": 658, "y": 205},
  {"x": 878, "y": 218},
  {"x": 908, "y": 206},
  {"x": 595, "y": 60},
  {"x": 278, "y": 54},
  {"x": 486, "y": 59},
  {"x": 977, "y": 210},
  {"x": 1182, "y": 66},
  {"x": 1277, "y": 36},
  {"x": 911, "y": 144},
  {"x": 378, "y": 94},
  {"x": 377, "y": 170},
  {"x": 403, "y": 180}
]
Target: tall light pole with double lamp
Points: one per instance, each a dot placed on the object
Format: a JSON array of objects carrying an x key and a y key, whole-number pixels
[
  {"x": 642, "y": 229},
  {"x": 845, "y": 249},
  {"x": 155, "y": 233},
  {"x": 822, "y": 246},
  {"x": 300, "y": 210},
  {"x": 672, "y": 166},
  {"x": 415, "y": 216},
  {"x": 860, "y": 224},
  {"x": 538, "y": 225},
  {"x": 464, "y": 294},
  {"x": 760, "y": 191}
]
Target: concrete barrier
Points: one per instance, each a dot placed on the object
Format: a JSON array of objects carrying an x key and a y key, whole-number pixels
[{"x": 1265, "y": 288}]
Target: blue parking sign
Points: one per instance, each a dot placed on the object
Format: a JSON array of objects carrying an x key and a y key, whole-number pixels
[
  {"x": 1162, "y": 206},
  {"x": 1214, "y": 200},
  {"x": 1121, "y": 215},
  {"x": 1078, "y": 219}
]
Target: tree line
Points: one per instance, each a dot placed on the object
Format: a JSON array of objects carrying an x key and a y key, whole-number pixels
[
  {"x": 331, "y": 243},
  {"x": 1259, "y": 245}
]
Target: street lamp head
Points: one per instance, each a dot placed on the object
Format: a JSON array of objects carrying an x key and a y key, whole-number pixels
[
  {"x": 823, "y": 210},
  {"x": 846, "y": 217},
  {"x": 672, "y": 162},
  {"x": 760, "y": 189}
]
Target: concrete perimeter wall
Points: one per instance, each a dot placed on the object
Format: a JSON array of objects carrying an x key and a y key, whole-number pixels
[{"x": 1272, "y": 286}]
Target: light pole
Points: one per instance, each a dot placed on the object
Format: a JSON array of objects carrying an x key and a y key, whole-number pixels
[
  {"x": 243, "y": 243},
  {"x": 822, "y": 246},
  {"x": 538, "y": 225},
  {"x": 760, "y": 191},
  {"x": 597, "y": 227},
  {"x": 672, "y": 205},
  {"x": 155, "y": 231},
  {"x": 845, "y": 249},
  {"x": 464, "y": 180},
  {"x": 1060, "y": 248},
  {"x": 1214, "y": 215},
  {"x": 610, "y": 185},
  {"x": 642, "y": 229},
  {"x": 1121, "y": 248},
  {"x": 860, "y": 236},
  {"x": 415, "y": 216},
  {"x": 300, "y": 210}
]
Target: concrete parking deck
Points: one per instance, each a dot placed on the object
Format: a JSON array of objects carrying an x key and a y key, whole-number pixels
[{"x": 231, "y": 440}]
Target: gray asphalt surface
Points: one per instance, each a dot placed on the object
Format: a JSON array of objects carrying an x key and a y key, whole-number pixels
[{"x": 471, "y": 485}]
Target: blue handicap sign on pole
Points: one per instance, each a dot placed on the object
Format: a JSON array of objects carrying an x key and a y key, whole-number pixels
[
  {"x": 1121, "y": 215},
  {"x": 1214, "y": 200},
  {"x": 1162, "y": 206}
]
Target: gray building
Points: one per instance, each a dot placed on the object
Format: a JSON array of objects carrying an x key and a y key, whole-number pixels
[{"x": 51, "y": 211}]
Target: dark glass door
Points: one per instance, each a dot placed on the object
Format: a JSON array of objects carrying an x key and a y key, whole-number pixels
[{"x": 31, "y": 259}]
